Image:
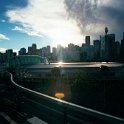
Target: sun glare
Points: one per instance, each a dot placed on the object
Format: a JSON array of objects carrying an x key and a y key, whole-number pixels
[
  {"x": 61, "y": 36},
  {"x": 60, "y": 63}
]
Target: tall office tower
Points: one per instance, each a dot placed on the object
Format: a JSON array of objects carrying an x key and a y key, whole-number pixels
[
  {"x": 34, "y": 49},
  {"x": 107, "y": 51},
  {"x": 117, "y": 50},
  {"x": 54, "y": 51},
  {"x": 30, "y": 51},
  {"x": 122, "y": 49},
  {"x": 96, "y": 45},
  {"x": 44, "y": 52},
  {"x": 48, "y": 49},
  {"x": 87, "y": 40},
  {"x": 86, "y": 50},
  {"x": 34, "y": 46}
]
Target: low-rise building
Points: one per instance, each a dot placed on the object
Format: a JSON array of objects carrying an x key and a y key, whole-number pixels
[{"x": 22, "y": 60}]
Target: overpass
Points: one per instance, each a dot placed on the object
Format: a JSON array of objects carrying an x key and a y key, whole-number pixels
[{"x": 56, "y": 111}]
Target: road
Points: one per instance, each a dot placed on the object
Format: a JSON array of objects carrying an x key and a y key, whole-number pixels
[{"x": 76, "y": 65}]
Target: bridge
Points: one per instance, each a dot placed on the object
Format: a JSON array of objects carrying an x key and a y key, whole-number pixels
[{"x": 53, "y": 110}]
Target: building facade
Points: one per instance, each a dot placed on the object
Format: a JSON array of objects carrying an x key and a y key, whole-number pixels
[
  {"x": 22, "y": 51},
  {"x": 107, "y": 47},
  {"x": 23, "y": 60}
]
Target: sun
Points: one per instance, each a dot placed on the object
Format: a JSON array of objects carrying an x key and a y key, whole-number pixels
[
  {"x": 61, "y": 36},
  {"x": 65, "y": 32}
]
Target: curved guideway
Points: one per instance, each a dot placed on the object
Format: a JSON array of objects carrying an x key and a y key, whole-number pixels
[{"x": 53, "y": 110}]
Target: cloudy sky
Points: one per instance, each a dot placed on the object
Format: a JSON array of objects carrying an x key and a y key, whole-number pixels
[{"x": 52, "y": 22}]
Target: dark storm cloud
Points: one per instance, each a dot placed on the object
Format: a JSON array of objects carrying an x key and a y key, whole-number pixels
[
  {"x": 113, "y": 14},
  {"x": 82, "y": 10},
  {"x": 93, "y": 15}
]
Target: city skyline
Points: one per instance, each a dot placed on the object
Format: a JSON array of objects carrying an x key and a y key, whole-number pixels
[
  {"x": 104, "y": 49},
  {"x": 45, "y": 23},
  {"x": 84, "y": 42}
]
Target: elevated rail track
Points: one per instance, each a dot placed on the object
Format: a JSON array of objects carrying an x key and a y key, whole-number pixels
[{"x": 57, "y": 111}]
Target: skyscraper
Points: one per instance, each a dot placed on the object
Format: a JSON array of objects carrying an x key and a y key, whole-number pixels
[
  {"x": 107, "y": 47},
  {"x": 34, "y": 49},
  {"x": 117, "y": 50},
  {"x": 122, "y": 49},
  {"x": 87, "y": 40},
  {"x": 29, "y": 50},
  {"x": 48, "y": 50},
  {"x": 96, "y": 44}
]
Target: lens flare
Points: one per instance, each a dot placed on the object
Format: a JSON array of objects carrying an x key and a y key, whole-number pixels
[{"x": 60, "y": 95}]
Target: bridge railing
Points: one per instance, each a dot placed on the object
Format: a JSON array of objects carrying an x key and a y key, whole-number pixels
[{"x": 56, "y": 111}]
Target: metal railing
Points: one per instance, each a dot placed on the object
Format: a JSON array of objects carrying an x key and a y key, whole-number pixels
[{"x": 56, "y": 111}]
